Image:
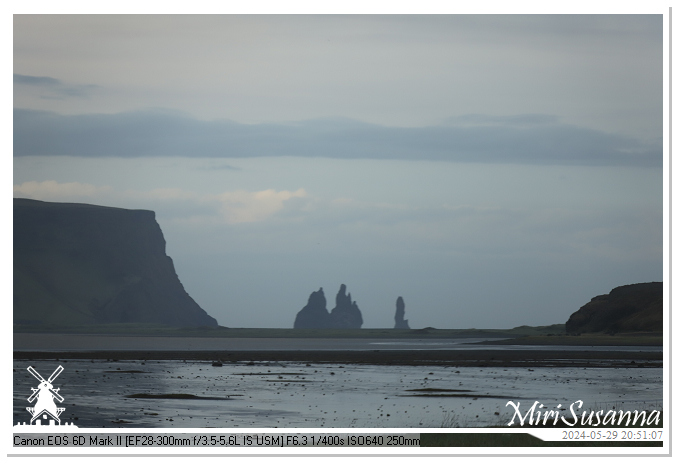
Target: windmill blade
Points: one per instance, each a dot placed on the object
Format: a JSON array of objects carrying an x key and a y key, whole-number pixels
[
  {"x": 34, "y": 395},
  {"x": 55, "y": 374},
  {"x": 57, "y": 395},
  {"x": 35, "y": 374}
]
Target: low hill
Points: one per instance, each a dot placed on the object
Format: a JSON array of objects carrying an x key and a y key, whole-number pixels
[
  {"x": 630, "y": 308},
  {"x": 80, "y": 264}
]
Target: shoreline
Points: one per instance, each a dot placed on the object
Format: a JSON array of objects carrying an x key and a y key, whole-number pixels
[
  {"x": 450, "y": 358},
  {"x": 635, "y": 339}
]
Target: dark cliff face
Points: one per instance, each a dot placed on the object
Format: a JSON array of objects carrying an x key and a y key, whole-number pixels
[
  {"x": 86, "y": 264},
  {"x": 345, "y": 314},
  {"x": 630, "y": 308}
]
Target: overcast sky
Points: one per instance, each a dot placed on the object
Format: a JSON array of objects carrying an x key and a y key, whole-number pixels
[{"x": 494, "y": 171}]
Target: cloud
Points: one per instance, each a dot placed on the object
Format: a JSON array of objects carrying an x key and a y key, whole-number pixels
[
  {"x": 242, "y": 206},
  {"x": 39, "y": 81},
  {"x": 235, "y": 207},
  {"x": 53, "y": 89},
  {"x": 524, "y": 120},
  {"x": 52, "y": 190},
  {"x": 524, "y": 139}
]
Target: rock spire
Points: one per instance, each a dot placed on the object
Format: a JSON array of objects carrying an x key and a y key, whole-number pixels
[{"x": 400, "y": 313}]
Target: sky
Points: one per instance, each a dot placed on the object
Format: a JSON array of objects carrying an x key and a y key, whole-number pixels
[{"x": 492, "y": 170}]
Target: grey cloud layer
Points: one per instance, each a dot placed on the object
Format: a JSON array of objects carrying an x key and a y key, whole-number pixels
[
  {"x": 40, "y": 81},
  {"x": 52, "y": 88},
  {"x": 527, "y": 139}
]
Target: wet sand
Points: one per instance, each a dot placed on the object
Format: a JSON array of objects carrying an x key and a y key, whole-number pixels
[
  {"x": 169, "y": 393},
  {"x": 467, "y": 357},
  {"x": 118, "y": 381},
  {"x": 412, "y": 352}
]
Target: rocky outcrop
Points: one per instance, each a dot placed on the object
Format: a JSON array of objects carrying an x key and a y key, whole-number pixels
[
  {"x": 400, "y": 314},
  {"x": 630, "y": 308},
  {"x": 314, "y": 315},
  {"x": 80, "y": 264},
  {"x": 345, "y": 314}
]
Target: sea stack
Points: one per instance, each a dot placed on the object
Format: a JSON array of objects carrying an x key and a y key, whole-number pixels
[
  {"x": 345, "y": 314},
  {"x": 400, "y": 313},
  {"x": 314, "y": 315}
]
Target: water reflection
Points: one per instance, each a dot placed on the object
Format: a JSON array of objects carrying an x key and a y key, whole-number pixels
[{"x": 320, "y": 395}]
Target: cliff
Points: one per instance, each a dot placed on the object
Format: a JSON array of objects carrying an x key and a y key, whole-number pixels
[
  {"x": 84, "y": 264},
  {"x": 630, "y": 308}
]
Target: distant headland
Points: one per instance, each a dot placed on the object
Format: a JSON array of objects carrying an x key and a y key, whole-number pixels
[
  {"x": 78, "y": 264},
  {"x": 630, "y": 308}
]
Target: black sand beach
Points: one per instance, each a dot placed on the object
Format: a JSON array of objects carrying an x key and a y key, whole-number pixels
[
  {"x": 470, "y": 358},
  {"x": 144, "y": 381}
]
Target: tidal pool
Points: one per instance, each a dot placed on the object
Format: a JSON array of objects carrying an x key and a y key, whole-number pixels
[{"x": 288, "y": 395}]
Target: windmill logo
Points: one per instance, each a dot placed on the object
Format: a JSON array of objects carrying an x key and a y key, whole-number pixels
[{"x": 45, "y": 408}]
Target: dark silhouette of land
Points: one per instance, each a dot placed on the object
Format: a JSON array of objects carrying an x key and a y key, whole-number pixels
[
  {"x": 345, "y": 314},
  {"x": 77, "y": 264},
  {"x": 630, "y": 308},
  {"x": 401, "y": 323}
]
